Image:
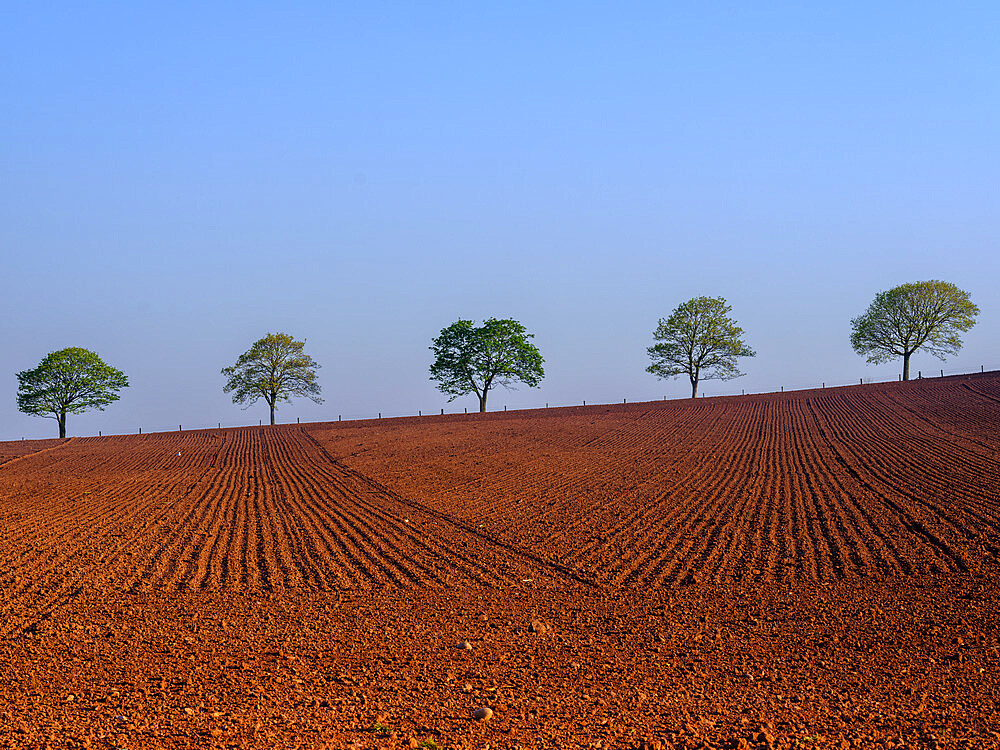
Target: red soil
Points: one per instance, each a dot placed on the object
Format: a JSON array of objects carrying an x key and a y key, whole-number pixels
[
  {"x": 16, "y": 449},
  {"x": 812, "y": 569}
]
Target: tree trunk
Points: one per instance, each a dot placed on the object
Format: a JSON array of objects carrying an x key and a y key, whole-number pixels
[
  {"x": 272, "y": 412},
  {"x": 482, "y": 403},
  {"x": 906, "y": 366},
  {"x": 62, "y": 425},
  {"x": 694, "y": 387}
]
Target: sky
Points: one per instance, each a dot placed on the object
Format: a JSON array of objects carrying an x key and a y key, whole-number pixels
[{"x": 178, "y": 179}]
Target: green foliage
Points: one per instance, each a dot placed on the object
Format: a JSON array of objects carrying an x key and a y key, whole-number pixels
[
  {"x": 470, "y": 359},
  {"x": 68, "y": 381},
  {"x": 922, "y": 316},
  {"x": 699, "y": 340},
  {"x": 275, "y": 369}
]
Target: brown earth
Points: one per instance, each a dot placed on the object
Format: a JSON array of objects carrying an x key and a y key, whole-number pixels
[
  {"x": 17, "y": 449},
  {"x": 812, "y": 569}
]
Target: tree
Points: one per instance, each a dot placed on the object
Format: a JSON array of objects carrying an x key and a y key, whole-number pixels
[
  {"x": 68, "y": 381},
  {"x": 468, "y": 359},
  {"x": 924, "y": 315},
  {"x": 699, "y": 340},
  {"x": 275, "y": 369}
]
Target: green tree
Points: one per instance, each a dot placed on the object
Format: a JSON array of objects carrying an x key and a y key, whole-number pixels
[
  {"x": 699, "y": 340},
  {"x": 924, "y": 315},
  {"x": 275, "y": 369},
  {"x": 470, "y": 359},
  {"x": 68, "y": 381}
]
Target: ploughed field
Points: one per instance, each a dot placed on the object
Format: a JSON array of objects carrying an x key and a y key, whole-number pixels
[{"x": 810, "y": 569}]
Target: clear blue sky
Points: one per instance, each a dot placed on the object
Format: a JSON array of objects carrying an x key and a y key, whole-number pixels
[{"x": 175, "y": 181}]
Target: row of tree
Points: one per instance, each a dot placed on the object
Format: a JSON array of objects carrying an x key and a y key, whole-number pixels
[{"x": 699, "y": 340}]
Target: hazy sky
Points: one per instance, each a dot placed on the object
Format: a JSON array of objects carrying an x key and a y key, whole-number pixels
[{"x": 177, "y": 179}]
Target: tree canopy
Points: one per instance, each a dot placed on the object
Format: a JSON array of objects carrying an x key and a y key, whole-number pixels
[
  {"x": 471, "y": 359},
  {"x": 921, "y": 316},
  {"x": 275, "y": 368},
  {"x": 68, "y": 381},
  {"x": 699, "y": 340}
]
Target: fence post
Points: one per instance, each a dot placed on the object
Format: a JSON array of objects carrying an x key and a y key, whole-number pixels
[
  {"x": 942, "y": 373},
  {"x": 505, "y": 407},
  {"x": 584, "y": 402},
  {"x": 419, "y": 413},
  {"x": 982, "y": 368},
  {"x": 380, "y": 415},
  {"x": 220, "y": 425},
  {"x": 442, "y": 412},
  {"x": 140, "y": 430},
  {"x": 824, "y": 384},
  {"x": 98, "y": 434},
  {"x": 919, "y": 375},
  {"x": 180, "y": 429},
  {"x": 339, "y": 416},
  {"x": 623, "y": 401},
  {"x": 546, "y": 404},
  {"x": 466, "y": 409},
  {"x": 298, "y": 421}
]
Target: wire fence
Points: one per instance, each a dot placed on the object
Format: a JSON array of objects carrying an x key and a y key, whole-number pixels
[
  {"x": 444, "y": 411},
  {"x": 924, "y": 374}
]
